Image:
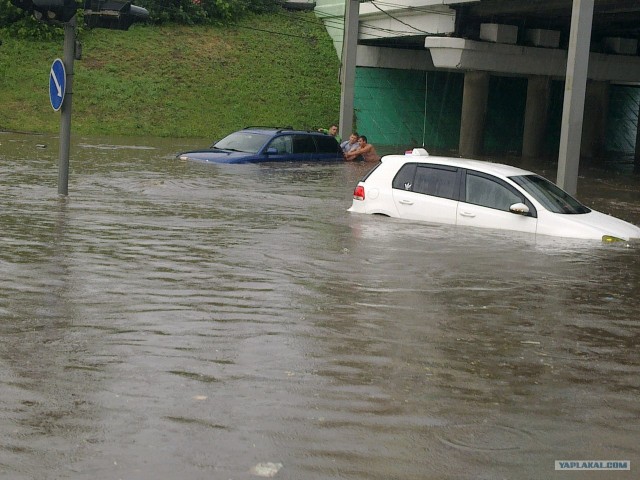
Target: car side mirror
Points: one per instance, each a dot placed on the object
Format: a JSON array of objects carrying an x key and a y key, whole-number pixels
[
  {"x": 519, "y": 209},
  {"x": 272, "y": 151}
]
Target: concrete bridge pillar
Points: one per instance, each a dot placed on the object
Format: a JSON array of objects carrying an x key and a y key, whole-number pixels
[
  {"x": 348, "y": 68},
  {"x": 474, "y": 112},
  {"x": 596, "y": 111},
  {"x": 637, "y": 153},
  {"x": 574, "y": 94},
  {"x": 536, "y": 115}
]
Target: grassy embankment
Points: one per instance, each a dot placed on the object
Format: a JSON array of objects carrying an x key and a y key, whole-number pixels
[{"x": 179, "y": 81}]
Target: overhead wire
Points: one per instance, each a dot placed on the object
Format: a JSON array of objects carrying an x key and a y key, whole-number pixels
[
  {"x": 339, "y": 25},
  {"x": 336, "y": 23},
  {"x": 423, "y": 9},
  {"x": 306, "y": 37},
  {"x": 375, "y": 4},
  {"x": 394, "y": 31}
]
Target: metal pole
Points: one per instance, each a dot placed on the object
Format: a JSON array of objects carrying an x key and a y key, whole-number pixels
[
  {"x": 65, "y": 119},
  {"x": 348, "y": 73},
  {"x": 574, "y": 95}
]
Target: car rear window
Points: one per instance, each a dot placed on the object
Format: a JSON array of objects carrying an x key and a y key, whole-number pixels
[
  {"x": 368, "y": 174},
  {"x": 404, "y": 178},
  {"x": 438, "y": 181},
  {"x": 435, "y": 180}
]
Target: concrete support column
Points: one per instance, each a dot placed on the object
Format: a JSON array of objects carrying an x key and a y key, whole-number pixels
[
  {"x": 536, "y": 115},
  {"x": 474, "y": 112},
  {"x": 574, "y": 94},
  {"x": 348, "y": 70},
  {"x": 637, "y": 155},
  {"x": 596, "y": 112}
]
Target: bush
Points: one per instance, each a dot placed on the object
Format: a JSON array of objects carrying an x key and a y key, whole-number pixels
[
  {"x": 191, "y": 12},
  {"x": 8, "y": 13},
  {"x": 19, "y": 23}
]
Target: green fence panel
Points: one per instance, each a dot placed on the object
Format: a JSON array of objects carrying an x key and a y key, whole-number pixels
[{"x": 411, "y": 108}]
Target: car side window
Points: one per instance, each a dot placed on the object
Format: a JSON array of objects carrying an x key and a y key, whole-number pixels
[
  {"x": 404, "y": 178},
  {"x": 486, "y": 192},
  {"x": 438, "y": 181},
  {"x": 327, "y": 144},
  {"x": 282, "y": 144},
  {"x": 303, "y": 144}
]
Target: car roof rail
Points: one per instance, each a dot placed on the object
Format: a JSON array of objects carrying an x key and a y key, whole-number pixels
[{"x": 269, "y": 127}]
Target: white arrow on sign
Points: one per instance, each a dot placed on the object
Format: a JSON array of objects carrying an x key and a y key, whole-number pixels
[{"x": 55, "y": 80}]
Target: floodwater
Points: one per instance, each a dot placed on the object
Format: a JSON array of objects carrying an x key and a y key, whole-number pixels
[{"x": 172, "y": 320}]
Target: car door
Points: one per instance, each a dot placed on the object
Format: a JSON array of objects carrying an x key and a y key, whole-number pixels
[
  {"x": 427, "y": 192},
  {"x": 328, "y": 148},
  {"x": 485, "y": 203},
  {"x": 304, "y": 148},
  {"x": 279, "y": 149}
]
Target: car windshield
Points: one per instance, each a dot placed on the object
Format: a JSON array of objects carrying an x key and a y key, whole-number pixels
[
  {"x": 249, "y": 142},
  {"x": 552, "y": 197}
]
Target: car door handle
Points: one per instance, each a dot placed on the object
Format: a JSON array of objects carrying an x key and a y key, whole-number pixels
[
  {"x": 467, "y": 214},
  {"x": 405, "y": 202}
]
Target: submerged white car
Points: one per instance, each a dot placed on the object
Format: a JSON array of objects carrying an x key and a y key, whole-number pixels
[{"x": 458, "y": 191}]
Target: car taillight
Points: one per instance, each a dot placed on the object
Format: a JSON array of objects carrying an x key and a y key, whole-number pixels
[{"x": 358, "y": 193}]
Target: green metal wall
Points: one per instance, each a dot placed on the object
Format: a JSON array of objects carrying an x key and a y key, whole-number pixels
[
  {"x": 390, "y": 108},
  {"x": 505, "y": 115},
  {"x": 624, "y": 104}
]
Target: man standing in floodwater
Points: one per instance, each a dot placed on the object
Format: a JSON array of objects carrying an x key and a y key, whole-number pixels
[
  {"x": 350, "y": 144},
  {"x": 365, "y": 152}
]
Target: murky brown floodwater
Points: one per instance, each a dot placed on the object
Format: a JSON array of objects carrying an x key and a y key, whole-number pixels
[{"x": 171, "y": 320}]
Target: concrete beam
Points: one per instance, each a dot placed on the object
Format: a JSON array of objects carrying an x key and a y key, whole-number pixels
[
  {"x": 403, "y": 59},
  {"x": 462, "y": 54},
  {"x": 402, "y": 18}
]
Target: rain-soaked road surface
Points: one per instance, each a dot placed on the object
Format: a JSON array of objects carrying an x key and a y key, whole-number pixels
[{"x": 171, "y": 320}]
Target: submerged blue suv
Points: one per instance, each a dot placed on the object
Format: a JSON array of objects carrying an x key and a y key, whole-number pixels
[{"x": 267, "y": 144}]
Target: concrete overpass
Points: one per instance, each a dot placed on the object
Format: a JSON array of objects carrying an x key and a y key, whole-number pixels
[{"x": 592, "y": 44}]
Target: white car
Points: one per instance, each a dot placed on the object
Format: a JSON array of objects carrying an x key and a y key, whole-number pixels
[{"x": 474, "y": 193}]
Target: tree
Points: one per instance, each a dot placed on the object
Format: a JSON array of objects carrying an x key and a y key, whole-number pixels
[
  {"x": 188, "y": 12},
  {"x": 206, "y": 11}
]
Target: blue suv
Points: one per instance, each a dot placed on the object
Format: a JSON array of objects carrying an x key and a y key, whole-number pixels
[{"x": 267, "y": 144}]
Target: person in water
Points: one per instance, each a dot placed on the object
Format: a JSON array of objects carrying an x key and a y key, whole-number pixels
[{"x": 365, "y": 152}]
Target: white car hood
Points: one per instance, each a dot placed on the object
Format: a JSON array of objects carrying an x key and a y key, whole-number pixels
[{"x": 587, "y": 225}]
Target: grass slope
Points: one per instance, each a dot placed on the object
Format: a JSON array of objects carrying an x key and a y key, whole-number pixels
[{"x": 179, "y": 81}]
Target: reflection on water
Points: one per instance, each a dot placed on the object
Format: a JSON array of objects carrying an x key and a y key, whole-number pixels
[{"x": 176, "y": 320}]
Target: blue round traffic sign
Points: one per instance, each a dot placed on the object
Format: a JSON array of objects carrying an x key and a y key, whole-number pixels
[{"x": 57, "y": 84}]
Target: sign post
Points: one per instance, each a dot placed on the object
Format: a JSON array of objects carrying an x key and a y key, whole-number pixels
[
  {"x": 65, "y": 103},
  {"x": 116, "y": 14}
]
